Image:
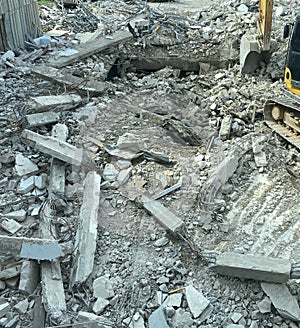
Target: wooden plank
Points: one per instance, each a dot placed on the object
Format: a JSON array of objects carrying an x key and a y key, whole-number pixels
[{"x": 92, "y": 47}]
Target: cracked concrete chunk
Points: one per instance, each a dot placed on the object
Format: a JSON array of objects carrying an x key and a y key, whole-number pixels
[
  {"x": 182, "y": 319},
  {"x": 173, "y": 300},
  {"x": 29, "y": 277},
  {"x": 26, "y": 185},
  {"x": 196, "y": 301},
  {"x": 284, "y": 302},
  {"x": 236, "y": 317},
  {"x": 22, "y": 306},
  {"x": 264, "y": 305},
  {"x": 135, "y": 322},
  {"x": 10, "y": 225},
  {"x": 110, "y": 173},
  {"x": 24, "y": 165},
  {"x": 100, "y": 305},
  {"x": 256, "y": 267},
  {"x": 158, "y": 319},
  {"x": 103, "y": 288}
]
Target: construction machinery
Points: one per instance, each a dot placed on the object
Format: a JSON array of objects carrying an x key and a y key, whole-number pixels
[{"x": 283, "y": 113}]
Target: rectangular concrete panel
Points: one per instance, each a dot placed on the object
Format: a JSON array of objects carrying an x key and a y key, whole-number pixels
[{"x": 255, "y": 267}]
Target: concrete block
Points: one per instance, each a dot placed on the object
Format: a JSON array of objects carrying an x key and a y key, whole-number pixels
[
  {"x": 164, "y": 216},
  {"x": 255, "y": 267}
]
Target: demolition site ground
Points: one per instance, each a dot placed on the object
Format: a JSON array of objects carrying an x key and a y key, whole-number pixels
[{"x": 154, "y": 170}]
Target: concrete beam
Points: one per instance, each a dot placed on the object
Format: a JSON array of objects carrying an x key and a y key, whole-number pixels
[
  {"x": 29, "y": 248},
  {"x": 38, "y": 119},
  {"x": 86, "y": 237},
  {"x": 46, "y": 103},
  {"x": 255, "y": 267},
  {"x": 69, "y": 81},
  {"x": 93, "y": 47},
  {"x": 52, "y": 284},
  {"x": 164, "y": 216},
  {"x": 54, "y": 147}
]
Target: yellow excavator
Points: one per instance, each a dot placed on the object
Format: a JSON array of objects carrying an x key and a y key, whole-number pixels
[{"x": 283, "y": 114}]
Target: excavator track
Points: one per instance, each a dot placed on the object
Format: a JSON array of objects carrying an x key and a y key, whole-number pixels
[{"x": 283, "y": 116}]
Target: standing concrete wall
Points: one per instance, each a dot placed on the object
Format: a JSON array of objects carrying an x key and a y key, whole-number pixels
[{"x": 19, "y": 19}]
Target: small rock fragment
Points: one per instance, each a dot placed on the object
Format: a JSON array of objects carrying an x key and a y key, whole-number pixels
[
  {"x": 103, "y": 288},
  {"x": 22, "y": 306},
  {"x": 100, "y": 305},
  {"x": 24, "y": 165},
  {"x": 264, "y": 306}
]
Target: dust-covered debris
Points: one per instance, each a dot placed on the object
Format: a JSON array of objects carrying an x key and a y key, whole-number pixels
[{"x": 164, "y": 113}]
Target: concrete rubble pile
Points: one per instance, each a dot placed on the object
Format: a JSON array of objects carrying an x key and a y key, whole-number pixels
[{"x": 139, "y": 186}]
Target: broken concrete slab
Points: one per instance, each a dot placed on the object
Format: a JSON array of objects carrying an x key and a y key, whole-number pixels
[
  {"x": 155, "y": 63},
  {"x": 164, "y": 216},
  {"x": 39, "y": 119},
  {"x": 256, "y": 267},
  {"x": 86, "y": 236},
  {"x": 46, "y": 103},
  {"x": 82, "y": 85},
  {"x": 24, "y": 165},
  {"x": 196, "y": 301},
  {"x": 54, "y": 147},
  {"x": 284, "y": 302},
  {"x": 158, "y": 319},
  {"x": 93, "y": 47},
  {"x": 10, "y": 225},
  {"x": 29, "y": 277},
  {"x": 29, "y": 248}
]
